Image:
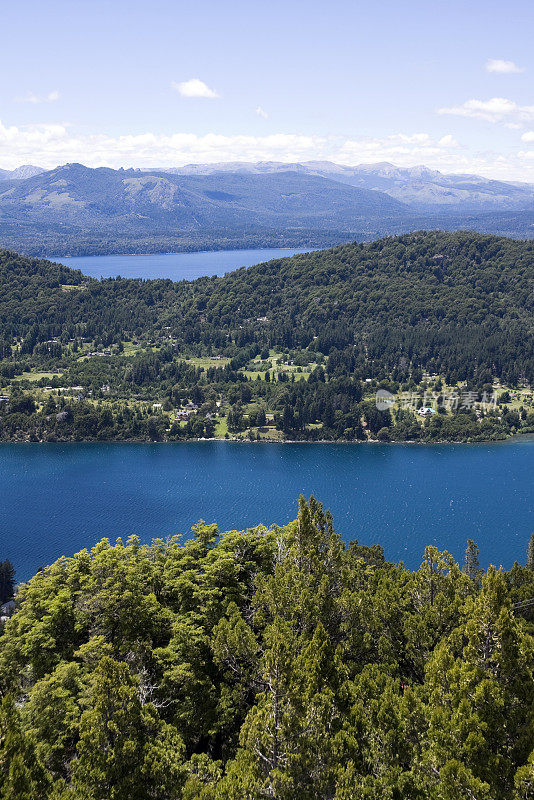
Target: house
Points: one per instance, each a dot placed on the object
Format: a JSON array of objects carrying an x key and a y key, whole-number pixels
[
  {"x": 183, "y": 413},
  {"x": 7, "y": 608},
  {"x": 426, "y": 411}
]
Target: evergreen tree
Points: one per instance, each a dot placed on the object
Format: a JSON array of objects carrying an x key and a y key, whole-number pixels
[
  {"x": 110, "y": 747},
  {"x": 530, "y": 552},
  {"x": 7, "y": 580},
  {"x": 472, "y": 564},
  {"x": 22, "y": 776}
]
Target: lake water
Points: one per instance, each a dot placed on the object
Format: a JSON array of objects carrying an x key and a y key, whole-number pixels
[
  {"x": 59, "y": 498},
  {"x": 176, "y": 266}
]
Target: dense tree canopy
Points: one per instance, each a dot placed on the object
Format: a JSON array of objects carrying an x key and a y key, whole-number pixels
[
  {"x": 457, "y": 302},
  {"x": 268, "y": 663}
]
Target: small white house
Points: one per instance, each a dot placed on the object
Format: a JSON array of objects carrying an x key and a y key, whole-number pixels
[
  {"x": 7, "y": 608},
  {"x": 426, "y": 411}
]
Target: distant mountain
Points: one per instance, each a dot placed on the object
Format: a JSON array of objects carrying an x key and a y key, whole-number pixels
[
  {"x": 119, "y": 207},
  {"x": 420, "y": 188},
  {"x": 20, "y": 173},
  {"x": 79, "y": 194},
  {"x": 77, "y": 210}
]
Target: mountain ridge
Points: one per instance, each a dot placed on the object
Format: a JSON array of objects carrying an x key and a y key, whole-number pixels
[
  {"x": 419, "y": 187},
  {"x": 74, "y": 209}
]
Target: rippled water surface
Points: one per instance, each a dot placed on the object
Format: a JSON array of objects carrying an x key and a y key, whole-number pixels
[{"x": 58, "y": 498}]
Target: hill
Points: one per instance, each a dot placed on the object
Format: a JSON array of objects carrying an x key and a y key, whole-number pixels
[{"x": 304, "y": 342}]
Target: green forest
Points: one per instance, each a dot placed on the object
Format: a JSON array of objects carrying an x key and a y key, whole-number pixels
[
  {"x": 292, "y": 349},
  {"x": 268, "y": 663}
]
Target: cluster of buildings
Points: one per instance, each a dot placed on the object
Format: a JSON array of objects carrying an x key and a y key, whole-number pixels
[{"x": 186, "y": 411}]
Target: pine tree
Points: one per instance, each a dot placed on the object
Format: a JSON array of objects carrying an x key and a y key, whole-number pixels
[
  {"x": 110, "y": 749},
  {"x": 530, "y": 552},
  {"x": 22, "y": 776},
  {"x": 472, "y": 564},
  {"x": 7, "y": 580}
]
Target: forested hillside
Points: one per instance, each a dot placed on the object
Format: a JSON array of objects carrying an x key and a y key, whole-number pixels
[
  {"x": 298, "y": 341},
  {"x": 268, "y": 663}
]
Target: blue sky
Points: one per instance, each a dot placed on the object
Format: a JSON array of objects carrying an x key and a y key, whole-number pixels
[{"x": 447, "y": 84}]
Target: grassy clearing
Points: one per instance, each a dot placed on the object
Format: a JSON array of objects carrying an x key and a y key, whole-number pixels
[
  {"x": 221, "y": 428},
  {"x": 36, "y": 376},
  {"x": 205, "y": 362},
  {"x": 73, "y": 287}
]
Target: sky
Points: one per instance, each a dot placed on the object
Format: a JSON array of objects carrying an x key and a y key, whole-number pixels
[{"x": 123, "y": 83}]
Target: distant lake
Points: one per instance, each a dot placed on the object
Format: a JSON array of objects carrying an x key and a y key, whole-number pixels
[
  {"x": 176, "y": 266},
  {"x": 58, "y": 498}
]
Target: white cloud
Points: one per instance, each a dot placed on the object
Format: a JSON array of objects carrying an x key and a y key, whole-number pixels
[
  {"x": 30, "y": 97},
  {"x": 261, "y": 113},
  {"x": 50, "y": 145},
  {"x": 497, "y": 109},
  {"x": 404, "y": 150},
  {"x": 503, "y": 67},
  {"x": 194, "y": 88},
  {"x": 528, "y": 136},
  {"x": 448, "y": 141},
  {"x": 413, "y": 138}
]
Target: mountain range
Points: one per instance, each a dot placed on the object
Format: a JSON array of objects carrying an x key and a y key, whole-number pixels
[
  {"x": 79, "y": 210},
  {"x": 419, "y": 187}
]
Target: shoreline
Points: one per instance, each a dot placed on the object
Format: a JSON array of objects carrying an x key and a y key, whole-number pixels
[
  {"x": 526, "y": 437},
  {"x": 185, "y": 252}
]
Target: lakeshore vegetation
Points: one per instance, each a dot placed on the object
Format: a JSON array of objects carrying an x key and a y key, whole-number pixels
[
  {"x": 268, "y": 663},
  {"x": 293, "y": 349}
]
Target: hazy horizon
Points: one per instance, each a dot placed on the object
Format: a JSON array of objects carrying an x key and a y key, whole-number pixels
[
  {"x": 171, "y": 84},
  {"x": 243, "y": 162}
]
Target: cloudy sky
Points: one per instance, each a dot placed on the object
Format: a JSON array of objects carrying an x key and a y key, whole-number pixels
[{"x": 446, "y": 83}]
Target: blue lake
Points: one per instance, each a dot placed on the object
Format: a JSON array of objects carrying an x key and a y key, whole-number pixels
[
  {"x": 176, "y": 266},
  {"x": 59, "y": 498}
]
